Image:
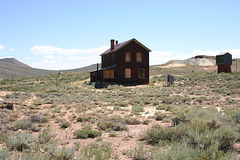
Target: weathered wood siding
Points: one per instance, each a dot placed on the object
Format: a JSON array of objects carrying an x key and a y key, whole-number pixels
[
  {"x": 109, "y": 60},
  {"x": 224, "y": 68},
  {"x": 134, "y": 48}
]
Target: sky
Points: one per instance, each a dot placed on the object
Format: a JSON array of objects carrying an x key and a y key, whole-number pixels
[{"x": 67, "y": 34}]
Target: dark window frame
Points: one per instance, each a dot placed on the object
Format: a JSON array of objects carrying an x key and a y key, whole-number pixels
[{"x": 139, "y": 73}]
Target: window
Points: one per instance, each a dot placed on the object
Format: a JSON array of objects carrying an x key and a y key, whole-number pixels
[
  {"x": 127, "y": 73},
  {"x": 105, "y": 74},
  {"x": 111, "y": 73},
  {"x": 108, "y": 74},
  {"x": 128, "y": 57},
  {"x": 139, "y": 57},
  {"x": 141, "y": 73}
]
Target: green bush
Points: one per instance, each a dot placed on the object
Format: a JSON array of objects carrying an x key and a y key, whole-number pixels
[
  {"x": 165, "y": 107},
  {"x": 35, "y": 128},
  {"x": 4, "y": 153},
  {"x": 104, "y": 124},
  {"x": 65, "y": 124},
  {"x": 115, "y": 123},
  {"x": 137, "y": 109},
  {"x": 176, "y": 99},
  {"x": 44, "y": 137},
  {"x": 65, "y": 154},
  {"x": 112, "y": 134},
  {"x": 102, "y": 151},
  {"x": 179, "y": 117},
  {"x": 199, "y": 138},
  {"x": 157, "y": 134},
  {"x": 23, "y": 124},
  {"x": 209, "y": 116},
  {"x": 53, "y": 153},
  {"x": 227, "y": 137},
  {"x": 201, "y": 99},
  {"x": 87, "y": 118},
  {"x": 20, "y": 141},
  {"x": 131, "y": 121},
  {"x": 86, "y": 132},
  {"x": 159, "y": 116},
  {"x": 183, "y": 151},
  {"x": 38, "y": 118}
]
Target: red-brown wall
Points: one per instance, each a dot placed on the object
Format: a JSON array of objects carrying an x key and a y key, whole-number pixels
[
  {"x": 224, "y": 68},
  {"x": 132, "y": 47}
]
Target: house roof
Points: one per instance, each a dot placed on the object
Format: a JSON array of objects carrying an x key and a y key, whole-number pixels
[
  {"x": 123, "y": 44},
  {"x": 222, "y": 53}
]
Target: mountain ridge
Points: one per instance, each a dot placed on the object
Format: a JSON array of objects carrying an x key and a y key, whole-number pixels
[
  {"x": 14, "y": 61},
  {"x": 12, "y": 68}
]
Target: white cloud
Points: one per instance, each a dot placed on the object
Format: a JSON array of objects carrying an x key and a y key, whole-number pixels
[
  {"x": 235, "y": 52},
  {"x": 57, "y": 64},
  {"x": 160, "y": 57},
  {"x": 12, "y": 49},
  {"x": 50, "y": 50},
  {"x": 49, "y": 57},
  {"x": 209, "y": 52},
  {"x": 1, "y": 47},
  {"x": 57, "y": 58},
  {"x": 6, "y": 57}
]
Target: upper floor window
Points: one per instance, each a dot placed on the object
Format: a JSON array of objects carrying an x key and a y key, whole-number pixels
[
  {"x": 139, "y": 57},
  {"x": 128, "y": 57},
  {"x": 127, "y": 72}
]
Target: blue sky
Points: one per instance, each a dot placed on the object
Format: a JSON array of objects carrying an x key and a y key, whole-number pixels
[{"x": 60, "y": 34}]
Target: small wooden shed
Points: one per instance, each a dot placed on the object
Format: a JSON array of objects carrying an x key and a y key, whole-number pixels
[{"x": 224, "y": 62}]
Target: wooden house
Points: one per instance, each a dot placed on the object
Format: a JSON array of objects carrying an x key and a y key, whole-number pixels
[
  {"x": 124, "y": 63},
  {"x": 224, "y": 62}
]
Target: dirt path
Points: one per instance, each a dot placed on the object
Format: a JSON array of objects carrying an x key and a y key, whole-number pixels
[
  {"x": 4, "y": 93},
  {"x": 30, "y": 100}
]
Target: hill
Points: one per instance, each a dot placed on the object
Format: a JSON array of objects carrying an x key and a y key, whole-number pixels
[
  {"x": 87, "y": 68},
  {"x": 14, "y": 61},
  {"x": 12, "y": 68},
  {"x": 199, "y": 60},
  {"x": 9, "y": 70}
]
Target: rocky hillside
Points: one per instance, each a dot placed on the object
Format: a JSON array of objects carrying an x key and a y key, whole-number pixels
[{"x": 200, "y": 60}]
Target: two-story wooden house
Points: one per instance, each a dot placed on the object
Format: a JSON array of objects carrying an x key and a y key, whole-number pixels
[{"x": 124, "y": 63}]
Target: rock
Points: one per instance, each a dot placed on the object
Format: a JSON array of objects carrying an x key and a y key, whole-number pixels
[
  {"x": 10, "y": 106},
  {"x": 238, "y": 118}
]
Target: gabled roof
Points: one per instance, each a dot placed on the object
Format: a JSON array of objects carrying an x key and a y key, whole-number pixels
[
  {"x": 222, "y": 53},
  {"x": 123, "y": 44}
]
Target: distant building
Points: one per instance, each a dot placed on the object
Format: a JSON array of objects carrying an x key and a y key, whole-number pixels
[
  {"x": 204, "y": 56},
  {"x": 224, "y": 62},
  {"x": 124, "y": 63}
]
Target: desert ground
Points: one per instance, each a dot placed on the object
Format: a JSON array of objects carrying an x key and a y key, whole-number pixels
[{"x": 64, "y": 117}]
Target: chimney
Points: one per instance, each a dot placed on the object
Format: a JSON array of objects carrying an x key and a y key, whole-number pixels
[
  {"x": 116, "y": 43},
  {"x": 112, "y": 44}
]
